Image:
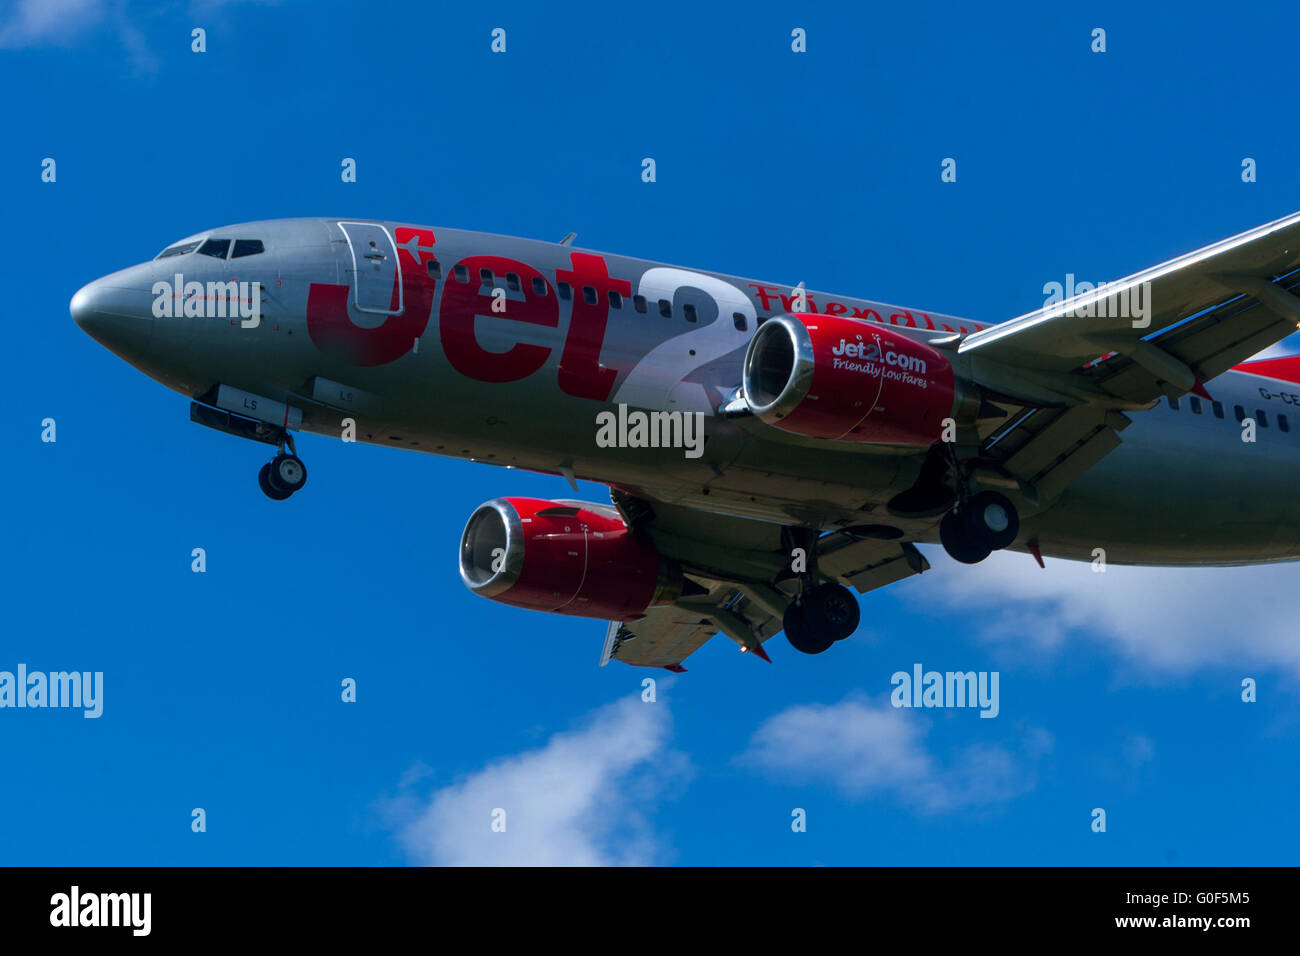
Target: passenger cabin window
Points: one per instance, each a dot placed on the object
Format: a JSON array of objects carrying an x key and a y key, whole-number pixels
[
  {"x": 435, "y": 269},
  {"x": 485, "y": 276},
  {"x": 738, "y": 319},
  {"x": 1282, "y": 424},
  {"x": 216, "y": 248},
  {"x": 1218, "y": 409},
  {"x": 1239, "y": 412},
  {"x": 247, "y": 247},
  {"x": 639, "y": 303},
  {"x": 565, "y": 290},
  {"x": 615, "y": 300},
  {"x": 689, "y": 311},
  {"x": 461, "y": 273},
  {"x": 1173, "y": 403},
  {"x": 178, "y": 250},
  {"x": 1261, "y": 418},
  {"x": 589, "y": 295},
  {"x": 1195, "y": 405},
  {"x": 539, "y": 285},
  {"x": 512, "y": 282},
  {"x": 665, "y": 308}
]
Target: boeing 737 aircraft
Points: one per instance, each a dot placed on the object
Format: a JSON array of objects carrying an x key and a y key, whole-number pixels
[{"x": 766, "y": 447}]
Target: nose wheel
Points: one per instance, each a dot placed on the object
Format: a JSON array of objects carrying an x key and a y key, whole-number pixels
[
  {"x": 984, "y": 523},
  {"x": 282, "y": 476}
]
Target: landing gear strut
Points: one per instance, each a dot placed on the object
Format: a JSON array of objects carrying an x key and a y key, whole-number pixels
[
  {"x": 284, "y": 474},
  {"x": 822, "y": 613}
]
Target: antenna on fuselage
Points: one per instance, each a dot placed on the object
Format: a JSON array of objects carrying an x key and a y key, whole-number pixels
[{"x": 568, "y": 240}]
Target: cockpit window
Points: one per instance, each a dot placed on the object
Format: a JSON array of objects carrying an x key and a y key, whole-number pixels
[
  {"x": 247, "y": 247},
  {"x": 179, "y": 250},
  {"x": 217, "y": 248}
]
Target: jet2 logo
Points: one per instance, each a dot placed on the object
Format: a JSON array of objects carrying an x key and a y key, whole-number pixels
[
  {"x": 532, "y": 301},
  {"x": 875, "y": 352},
  {"x": 580, "y": 373}
]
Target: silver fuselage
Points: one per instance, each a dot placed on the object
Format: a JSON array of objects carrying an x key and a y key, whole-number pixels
[{"x": 1182, "y": 488}]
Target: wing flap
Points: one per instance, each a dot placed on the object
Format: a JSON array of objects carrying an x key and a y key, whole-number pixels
[
  {"x": 741, "y": 566},
  {"x": 663, "y": 638},
  {"x": 865, "y": 564},
  {"x": 1046, "y": 449}
]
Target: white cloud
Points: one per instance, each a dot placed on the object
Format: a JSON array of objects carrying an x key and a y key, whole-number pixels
[
  {"x": 1169, "y": 620},
  {"x": 866, "y": 750},
  {"x": 580, "y": 800},
  {"x": 34, "y": 22}
]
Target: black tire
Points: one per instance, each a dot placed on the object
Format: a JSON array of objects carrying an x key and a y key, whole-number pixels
[
  {"x": 268, "y": 489},
  {"x": 832, "y": 609},
  {"x": 288, "y": 473},
  {"x": 960, "y": 540},
  {"x": 800, "y": 633},
  {"x": 993, "y": 519}
]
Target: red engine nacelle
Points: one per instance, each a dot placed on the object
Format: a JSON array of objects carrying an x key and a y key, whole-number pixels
[
  {"x": 566, "y": 557},
  {"x": 827, "y": 376}
]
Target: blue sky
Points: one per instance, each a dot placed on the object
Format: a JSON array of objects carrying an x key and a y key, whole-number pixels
[{"x": 1118, "y": 691}]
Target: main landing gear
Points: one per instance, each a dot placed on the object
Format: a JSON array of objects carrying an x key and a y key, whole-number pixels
[
  {"x": 284, "y": 474},
  {"x": 825, "y": 611},
  {"x": 822, "y": 615},
  {"x": 983, "y": 523},
  {"x": 974, "y": 525}
]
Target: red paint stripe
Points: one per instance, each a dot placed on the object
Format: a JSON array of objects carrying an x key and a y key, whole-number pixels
[{"x": 1284, "y": 369}]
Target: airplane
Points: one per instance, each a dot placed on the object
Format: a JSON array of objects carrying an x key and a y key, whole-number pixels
[{"x": 767, "y": 448}]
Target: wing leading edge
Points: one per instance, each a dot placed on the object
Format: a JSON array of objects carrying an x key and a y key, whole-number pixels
[{"x": 1073, "y": 371}]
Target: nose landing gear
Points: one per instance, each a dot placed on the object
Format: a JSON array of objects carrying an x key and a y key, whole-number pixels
[{"x": 282, "y": 475}]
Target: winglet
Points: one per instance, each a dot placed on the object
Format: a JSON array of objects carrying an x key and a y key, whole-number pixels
[
  {"x": 1032, "y": 545},
  {"x": 675, "y": 668},
  {"x": 1199, "y": 389},
  {"x": 758, "y": 652}
]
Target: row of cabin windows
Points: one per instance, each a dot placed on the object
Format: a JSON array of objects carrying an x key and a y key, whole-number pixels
[
  {"x": 589, "y": 294},
  {"x": 1261, "y": 416}
]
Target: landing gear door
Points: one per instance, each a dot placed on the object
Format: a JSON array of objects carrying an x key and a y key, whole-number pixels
[{"x": 373, "y": 271}]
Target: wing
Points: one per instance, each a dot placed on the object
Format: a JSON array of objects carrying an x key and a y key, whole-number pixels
[
  {"x": 739, "y": 579},
  {"x": 1071, "y": 370}
]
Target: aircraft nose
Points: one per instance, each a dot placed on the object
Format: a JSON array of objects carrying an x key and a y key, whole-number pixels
[
  {"x": 116, "y": 317},
  {"x": 84, "y": 307}
]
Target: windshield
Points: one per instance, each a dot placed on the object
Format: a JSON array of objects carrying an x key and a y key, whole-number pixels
[{"x": 179, "y": 250}]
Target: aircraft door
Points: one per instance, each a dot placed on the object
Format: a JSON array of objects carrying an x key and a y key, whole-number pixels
[{"x": 373, "y": 270}]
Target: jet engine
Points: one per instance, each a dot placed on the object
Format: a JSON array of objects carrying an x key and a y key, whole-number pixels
[
  {"x": 566, "y": 557},
  {"x": 826, "y": 376}
]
